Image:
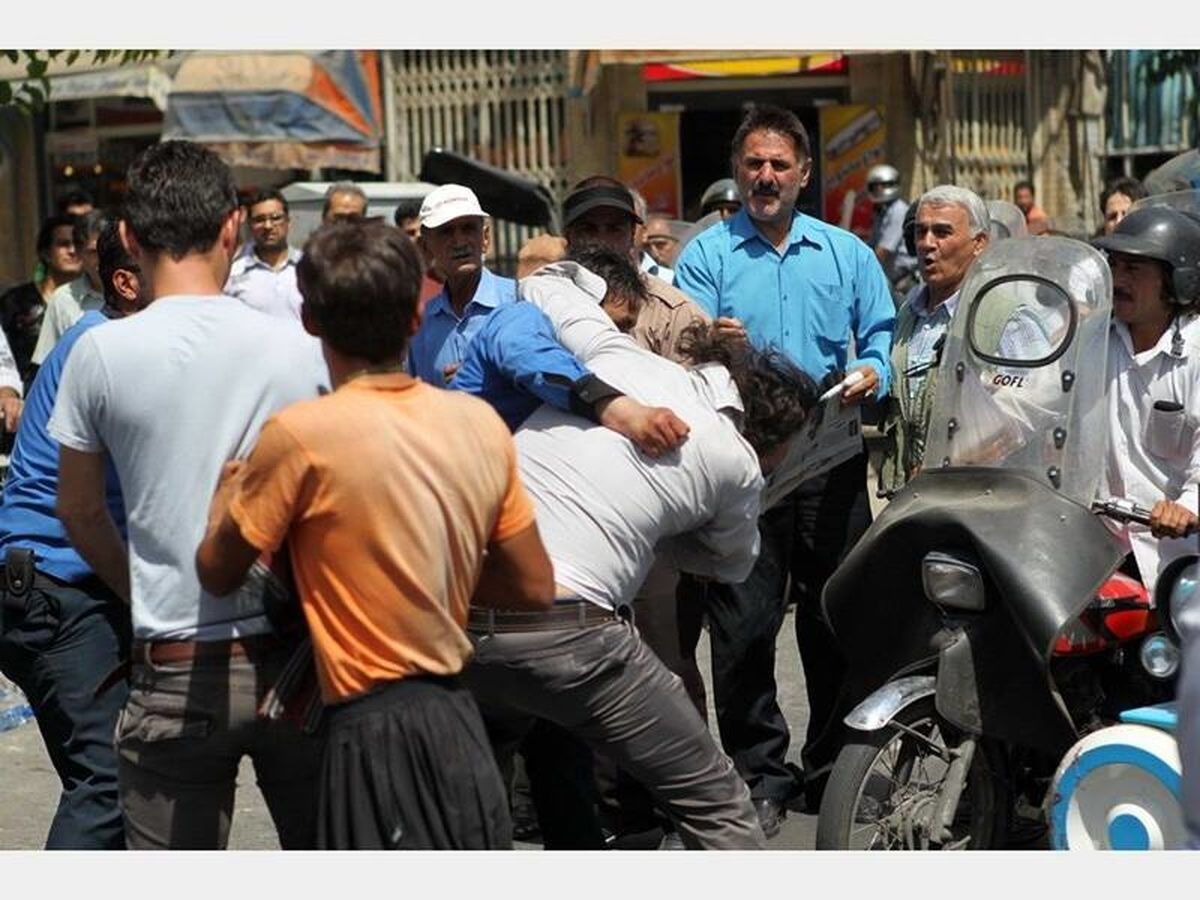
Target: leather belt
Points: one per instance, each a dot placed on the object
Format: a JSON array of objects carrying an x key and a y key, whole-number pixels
[
  {"x": 166, "y": 652},
  {"x": 563, "y": 615}
]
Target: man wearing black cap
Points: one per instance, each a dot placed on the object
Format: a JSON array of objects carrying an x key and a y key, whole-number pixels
[{"x": 601, "y": 210}]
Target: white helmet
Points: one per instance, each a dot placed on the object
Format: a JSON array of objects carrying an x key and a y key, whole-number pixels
[{"x": 883, "y": 184}]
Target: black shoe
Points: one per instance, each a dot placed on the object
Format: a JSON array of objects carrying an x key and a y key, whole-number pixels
[
  {"x": 770, "y": 816},
  {"x": 525, "y": 825}
]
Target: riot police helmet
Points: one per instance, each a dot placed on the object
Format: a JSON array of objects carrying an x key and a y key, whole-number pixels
[{"x": 722, "y": 192}]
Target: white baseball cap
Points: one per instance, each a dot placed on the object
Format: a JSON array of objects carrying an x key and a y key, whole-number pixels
[{"x": 447, "y": 203}]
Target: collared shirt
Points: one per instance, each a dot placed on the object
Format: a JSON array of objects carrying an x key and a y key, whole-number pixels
[
  {"x": 663, "y": 319},
  {"x": 443, "y": 337},
  {"x": 1154, "y": 454},
  {"x": 66, "y": 306},
  {"x": 605, "y": 510},
  {"x": 27, "y": 508},
  {"x": 930, "y": 328},
  {"x": 271, "y": 291},
  {"x": 825, "y": 288},
  {"x": 651, "y": 266},
  {"x": 515, "y": 364}
]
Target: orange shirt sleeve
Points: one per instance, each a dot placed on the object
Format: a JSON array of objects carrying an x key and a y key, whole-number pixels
[
  {"x": 516, "y": 509},
  {"x": 276, "y": 477}
]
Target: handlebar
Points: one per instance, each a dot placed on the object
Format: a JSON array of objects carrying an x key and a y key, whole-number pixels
[
  {"x": 1120, "y": 509},
  {"x": 1123, "y": 510}
]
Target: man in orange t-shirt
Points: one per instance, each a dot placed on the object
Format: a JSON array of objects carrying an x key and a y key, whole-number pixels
[{"x": 387, "y": 523}]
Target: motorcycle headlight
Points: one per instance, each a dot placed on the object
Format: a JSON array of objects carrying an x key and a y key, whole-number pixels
[
  {"x": 951, "y": 582},
  {"x": 1159, "y": 657},
  {"x": 1176, "y": 598}
]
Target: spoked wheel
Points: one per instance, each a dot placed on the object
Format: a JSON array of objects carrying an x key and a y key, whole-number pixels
[{"x": 884, "y": 788}]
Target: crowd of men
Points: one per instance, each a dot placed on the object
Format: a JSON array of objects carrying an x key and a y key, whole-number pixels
[{"x": 481, "y": 516}]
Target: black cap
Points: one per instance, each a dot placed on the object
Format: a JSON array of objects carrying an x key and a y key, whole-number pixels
[{"x": 589, "y": 198}]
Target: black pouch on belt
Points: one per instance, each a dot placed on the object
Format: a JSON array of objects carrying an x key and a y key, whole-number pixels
[{"x": 18, "y": 582}]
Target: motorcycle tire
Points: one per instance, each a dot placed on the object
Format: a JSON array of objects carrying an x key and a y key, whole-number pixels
[{"x": 840, "y": 822}]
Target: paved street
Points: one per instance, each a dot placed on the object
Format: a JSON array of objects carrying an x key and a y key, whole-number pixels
[{"x": 29, "y": 790}]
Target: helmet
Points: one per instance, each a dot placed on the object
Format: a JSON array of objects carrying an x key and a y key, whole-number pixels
[
  {"x": 883, "y": 184},
  {"x": 909, "y": 230},
  {"x": 723, "y": 190},
  {"x": 1167, "y": 235}
]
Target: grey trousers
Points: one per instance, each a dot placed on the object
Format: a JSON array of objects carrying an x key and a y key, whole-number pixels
[
  {"x": 603, "y": 684},
  {"x": 180, "y": 738}
]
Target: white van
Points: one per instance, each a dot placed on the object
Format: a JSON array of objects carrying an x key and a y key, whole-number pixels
[{"x": 307, "y": 198}]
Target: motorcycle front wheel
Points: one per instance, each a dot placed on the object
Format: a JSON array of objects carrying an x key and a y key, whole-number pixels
[{"x": 884, "y": 787}]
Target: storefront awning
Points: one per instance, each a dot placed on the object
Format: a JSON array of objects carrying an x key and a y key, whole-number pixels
[
  {"x": 301, "y": 109},
  {"x": 109, "y": 79}
]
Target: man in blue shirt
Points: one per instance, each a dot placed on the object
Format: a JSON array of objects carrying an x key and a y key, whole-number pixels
[
  {"x": 65, "y": 631},
  {"x": 777, "y": 277},
  {"x": 455, "y": 235}
]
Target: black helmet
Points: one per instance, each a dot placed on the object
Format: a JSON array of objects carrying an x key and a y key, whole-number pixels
[
  {"x": 909, "y": 229},
  {"x": 723, "y": 190},
  {"x": 1167, "y": 235}
]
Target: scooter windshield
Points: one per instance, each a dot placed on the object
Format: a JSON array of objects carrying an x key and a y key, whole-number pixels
[{"x": 1021, "y": 381}]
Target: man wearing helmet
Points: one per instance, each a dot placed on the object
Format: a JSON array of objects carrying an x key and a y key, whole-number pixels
[
  {"x": 887, "y": 230},
  {"x": 1154, "y": 379},
  {"x": 721, "y": 197}
]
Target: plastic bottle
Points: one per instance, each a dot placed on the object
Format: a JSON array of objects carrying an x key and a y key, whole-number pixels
[{"x": 14, "y": 710}]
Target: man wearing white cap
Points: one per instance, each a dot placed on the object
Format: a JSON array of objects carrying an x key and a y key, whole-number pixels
[{"x": 455, "y": 234}]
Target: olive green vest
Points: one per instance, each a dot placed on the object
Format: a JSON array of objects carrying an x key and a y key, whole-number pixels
[{"x": 907, "y": 420}]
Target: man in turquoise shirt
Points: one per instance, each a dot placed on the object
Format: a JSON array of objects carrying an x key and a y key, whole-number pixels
[
  {"x": 774, "y": 276},
  {"x": 455, "y": 234}
]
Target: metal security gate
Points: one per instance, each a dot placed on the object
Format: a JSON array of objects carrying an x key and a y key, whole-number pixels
[
  {"x": 503, "y": 107},
  {"x": 990, "y": 125}
]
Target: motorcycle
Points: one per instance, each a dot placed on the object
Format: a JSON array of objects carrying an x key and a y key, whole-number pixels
[
  {"x": 983, "y": 621},
  {"x": 1119, "y": 788}
]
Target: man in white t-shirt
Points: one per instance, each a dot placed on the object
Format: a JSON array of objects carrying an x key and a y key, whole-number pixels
[
  {"x": 171, "y": 395},
  {"x": 605, "y": 511}
]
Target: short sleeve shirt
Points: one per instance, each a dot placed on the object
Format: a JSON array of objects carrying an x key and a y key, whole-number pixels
[
  {"x": 171, "y": 394},
  {"x": 387, "y": 551}
]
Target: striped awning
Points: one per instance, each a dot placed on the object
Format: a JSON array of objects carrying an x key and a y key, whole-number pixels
[{"x": 294, "y": 109}]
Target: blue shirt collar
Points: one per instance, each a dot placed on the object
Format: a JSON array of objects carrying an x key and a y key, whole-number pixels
[
  {"x": 804, "y": 229},
  {"x": 487, "y": 294}
]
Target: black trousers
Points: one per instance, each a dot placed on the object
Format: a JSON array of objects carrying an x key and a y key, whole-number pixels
[{"x": 805, "y": 537}]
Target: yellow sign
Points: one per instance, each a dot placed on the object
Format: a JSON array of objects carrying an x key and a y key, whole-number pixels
[
  {"x": 648, "y": 159},
  {"x": 851, "y": 142}
]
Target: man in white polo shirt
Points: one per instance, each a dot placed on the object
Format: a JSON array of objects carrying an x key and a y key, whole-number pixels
[{"x": 171, "y": 395}]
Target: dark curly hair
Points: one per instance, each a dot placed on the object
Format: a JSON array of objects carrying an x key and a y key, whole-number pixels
[
  {"x": 776, "y": 394},
  {"x": 360, "y": 281}
]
